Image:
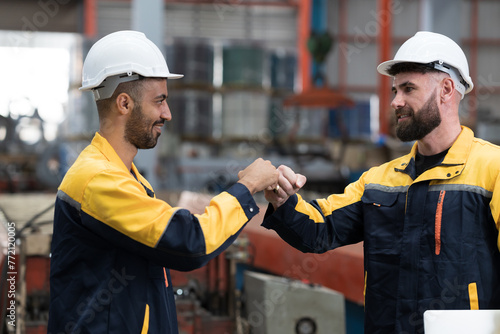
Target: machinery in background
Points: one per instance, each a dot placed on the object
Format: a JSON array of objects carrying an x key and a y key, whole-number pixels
[
  {"x": 207, "y": 299},
  {"x": 281, "y": 305}
]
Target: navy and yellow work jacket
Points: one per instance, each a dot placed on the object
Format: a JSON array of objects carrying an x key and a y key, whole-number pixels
[
  {"x": 113, "y": 243},
  {"x": 430, "y": 242}
]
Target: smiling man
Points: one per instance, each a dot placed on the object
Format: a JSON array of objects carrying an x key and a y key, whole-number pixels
[
  {"x": 430, "y": 219},
  {"x": 114, "y": 241}
]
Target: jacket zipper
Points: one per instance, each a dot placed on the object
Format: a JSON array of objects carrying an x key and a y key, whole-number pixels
[{"x": 437, "y": 222}]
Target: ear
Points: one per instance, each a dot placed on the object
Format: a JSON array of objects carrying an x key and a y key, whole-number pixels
[
  {"x": 447, "y": 89},
  {"x": 124, "y": 103}
]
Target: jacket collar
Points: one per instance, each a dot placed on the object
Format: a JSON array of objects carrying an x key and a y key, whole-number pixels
[
  {"x": 456, "y": 156},
  {"x": 110, "y": 154},
  {"x": 108, "y": 151},
  {"x": 459, "y": 151}
]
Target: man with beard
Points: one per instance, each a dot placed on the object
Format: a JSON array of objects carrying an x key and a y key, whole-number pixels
[
  {"x": 429, "y": 220},
  {"x": 114, "y": 241}
]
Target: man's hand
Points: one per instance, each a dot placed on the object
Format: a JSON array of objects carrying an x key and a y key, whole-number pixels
[
  {"x": 289, "y": 183},
  {"x": 260, "y": 175}
]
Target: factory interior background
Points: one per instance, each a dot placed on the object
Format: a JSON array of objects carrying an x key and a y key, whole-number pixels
[{"x": 292, "y": 81}]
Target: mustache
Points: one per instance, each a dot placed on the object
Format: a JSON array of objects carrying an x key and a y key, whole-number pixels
[
  {"x": 161, "y": 122},
  {"x": 404, "y": 111}
]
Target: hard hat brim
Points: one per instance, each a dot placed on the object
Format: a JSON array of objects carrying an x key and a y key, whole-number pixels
[
  {"x": 97, "y": 84},
  {"x": 175, "y": 76},
  {"x": 384, "y": 67}
]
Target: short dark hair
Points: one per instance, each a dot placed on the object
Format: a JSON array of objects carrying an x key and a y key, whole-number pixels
[
  {"x": 132, "y": 88},
  {"x": 409, "y": 67}
]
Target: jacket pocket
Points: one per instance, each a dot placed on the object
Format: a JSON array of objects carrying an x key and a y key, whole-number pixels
[
  {"x": 379, "y": 198},
  {"x": 381, "y": 218}
]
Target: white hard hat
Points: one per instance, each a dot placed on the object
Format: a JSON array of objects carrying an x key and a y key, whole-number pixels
[
  {"x": 437, "y": 50},
  {"x": 119, "y": 57}
]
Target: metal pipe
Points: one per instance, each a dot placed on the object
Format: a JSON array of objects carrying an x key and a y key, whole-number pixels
[
  {"x": 342, "y": 80},
  {"x": 473, "y": 62},
  {"x": 284, "y": 3},
  {"x": 385, "y": 43},
  {"x": 304, "y": 31},
  {"x": 90, "y": 20}
]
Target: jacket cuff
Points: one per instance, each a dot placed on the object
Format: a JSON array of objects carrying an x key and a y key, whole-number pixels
[
  {"x": 274, "y": 219},
  {"x": 245, "y": 198}
]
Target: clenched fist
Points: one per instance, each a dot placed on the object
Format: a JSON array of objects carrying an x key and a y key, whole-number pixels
[
  {"x": 260, "y": 175},
  {"x": 289, "y": 184}
]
